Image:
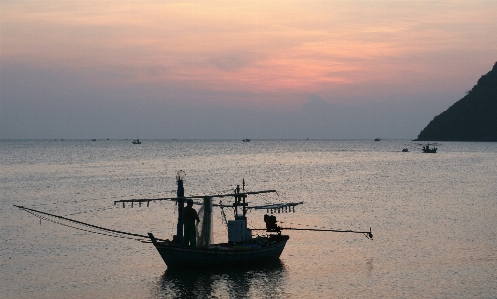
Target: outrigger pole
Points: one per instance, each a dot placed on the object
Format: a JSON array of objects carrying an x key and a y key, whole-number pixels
[
  {"x": 368, "y": 234},
  {"x": 148, "y": 200}
]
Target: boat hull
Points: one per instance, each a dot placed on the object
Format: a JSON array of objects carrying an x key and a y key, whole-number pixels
[
  {"x": 430, "y": 151},
  {"x": 177, "y": 256}
]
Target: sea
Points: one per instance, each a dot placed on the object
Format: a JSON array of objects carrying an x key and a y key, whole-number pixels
[{"x": 433, "y": 218}]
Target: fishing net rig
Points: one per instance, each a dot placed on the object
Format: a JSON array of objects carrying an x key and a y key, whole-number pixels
[{"x": 204, "y": 228}]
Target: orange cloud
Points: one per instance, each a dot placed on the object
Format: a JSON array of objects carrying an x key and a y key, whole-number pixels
[{"x": 251, "y": 46}]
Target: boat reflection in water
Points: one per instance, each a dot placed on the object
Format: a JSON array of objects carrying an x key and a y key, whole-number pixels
[{"x": 256, "y": 281}]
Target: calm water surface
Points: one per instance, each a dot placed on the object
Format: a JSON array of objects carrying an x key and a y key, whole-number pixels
[{"x": 433, "y": 217}]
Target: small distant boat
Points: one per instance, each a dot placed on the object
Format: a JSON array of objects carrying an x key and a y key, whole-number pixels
[
  {"x": 428, "y": 149},
  {"x": 246, "y": 140},
  {"x": 94, "y": 140},
  {"x": 137, "y": 141},
  {"x": 405, "y": 150},
  {"x": 377, "y": 139}
]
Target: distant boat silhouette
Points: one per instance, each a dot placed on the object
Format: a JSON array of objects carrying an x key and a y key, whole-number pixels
[
  {"x": 246, "y": 140},
  {"x": 427, "y": 149},
  {"x": 137, "y": 141}
]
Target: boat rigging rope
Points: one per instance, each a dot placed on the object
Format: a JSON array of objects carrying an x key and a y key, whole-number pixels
[{"x": 109, "y": 232}]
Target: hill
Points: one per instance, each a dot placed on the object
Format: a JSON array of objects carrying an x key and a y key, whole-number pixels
[{"x": 472, "y": 118}]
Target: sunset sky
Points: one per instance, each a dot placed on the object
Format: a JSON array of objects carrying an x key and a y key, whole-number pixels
[{"x": 237, "y": 69}]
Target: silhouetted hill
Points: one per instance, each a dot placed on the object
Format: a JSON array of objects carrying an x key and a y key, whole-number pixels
[{"x": 472, "y": 118}]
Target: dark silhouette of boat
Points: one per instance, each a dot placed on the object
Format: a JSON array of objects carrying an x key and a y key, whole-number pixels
[
  {"x": 246, "y": 140},
  {"x": 241, "y": 248},
  {"x": 137, "y": 141},
  {"x": 405, "y": 150},
  {"x": 428, "y": 149}
]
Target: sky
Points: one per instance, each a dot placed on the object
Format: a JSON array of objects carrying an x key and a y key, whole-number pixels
[{"x": 237, "y": 69}]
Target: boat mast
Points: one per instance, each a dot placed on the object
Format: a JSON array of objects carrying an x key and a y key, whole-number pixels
[
  {"x": 180, "y": 193},
  {"x": 240, "y": 202},
  {"x": 244, "y": 204}
]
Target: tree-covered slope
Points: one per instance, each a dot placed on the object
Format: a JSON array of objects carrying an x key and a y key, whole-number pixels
[{"x": 472, "y": 118}]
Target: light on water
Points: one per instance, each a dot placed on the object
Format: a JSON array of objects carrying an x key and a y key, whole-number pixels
[{"x": 432, "y": 217}]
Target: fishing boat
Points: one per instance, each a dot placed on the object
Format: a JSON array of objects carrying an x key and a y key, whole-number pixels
[
  {"x": 242, "y": 247},
  {"x": 137, "y": 141},
  {"x": 428, "y": 149},
  {"x": 246, "y": 140}
]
